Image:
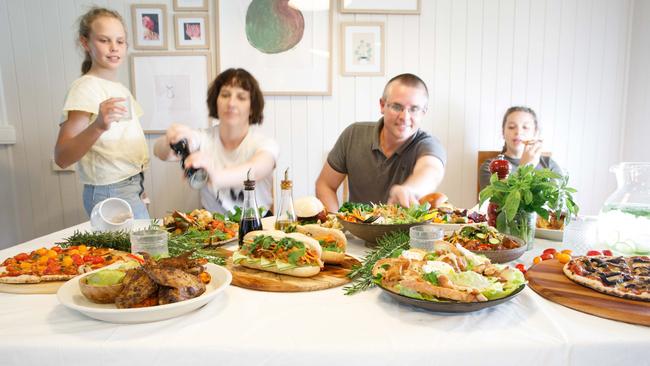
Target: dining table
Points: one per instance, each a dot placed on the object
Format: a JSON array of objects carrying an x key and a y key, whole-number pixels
[{"x": 327, "y": 327}]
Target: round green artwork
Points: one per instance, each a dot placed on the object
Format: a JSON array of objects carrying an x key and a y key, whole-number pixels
[{"x": 273, "y": 26}]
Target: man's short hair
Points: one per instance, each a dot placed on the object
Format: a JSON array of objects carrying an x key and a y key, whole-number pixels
[{"x": 408, "y": 80}]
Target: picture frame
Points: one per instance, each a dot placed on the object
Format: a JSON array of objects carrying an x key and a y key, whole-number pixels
[
  {"x": 380, "y": 6},
  {"x": 171, "y": 87},
  {"x": 191, "y": 31},
  {"x": 297, "y": 60},
  {"x": 362, "y": 49},
  {"x": 190, "y": 5},
  {"x": 149, "y": 26}
]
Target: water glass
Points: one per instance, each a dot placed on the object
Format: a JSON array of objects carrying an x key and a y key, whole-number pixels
[
  {"x": 150, "y": 241},
  {"x": 581, "y": 234},
  {"x": 424, "y": 236}
]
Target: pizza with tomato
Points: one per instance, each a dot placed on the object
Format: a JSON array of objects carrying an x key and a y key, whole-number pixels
[
  {"x": 56, "y": 263},
  {"x": 627, "y": 277}
]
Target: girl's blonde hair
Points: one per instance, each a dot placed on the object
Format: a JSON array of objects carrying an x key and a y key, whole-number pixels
[{"x": 86, "y": 21}]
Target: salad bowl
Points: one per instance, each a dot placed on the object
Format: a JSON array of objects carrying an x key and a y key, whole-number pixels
[{"x": 372, "y": 232}]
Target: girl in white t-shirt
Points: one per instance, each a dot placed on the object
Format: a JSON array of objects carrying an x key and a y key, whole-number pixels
[
  {"x": 99, "y": 128},
  {"x": 227, "y": 151}
]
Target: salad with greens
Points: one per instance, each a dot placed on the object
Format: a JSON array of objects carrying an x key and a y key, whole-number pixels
[
  {"x": 384, "y": 214},
  {"x": 448, "y": 273}
]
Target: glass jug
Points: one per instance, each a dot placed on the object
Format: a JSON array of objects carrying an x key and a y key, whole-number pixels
[{"x": 624, "y": 220}]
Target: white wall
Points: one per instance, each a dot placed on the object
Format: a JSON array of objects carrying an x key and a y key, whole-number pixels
[
  {"x": 567, "y": 59},
  {"x": 635, "y": 147}
]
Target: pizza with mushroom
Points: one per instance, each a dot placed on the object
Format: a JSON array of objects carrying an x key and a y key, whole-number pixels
[{"x": 627, "y": 277}]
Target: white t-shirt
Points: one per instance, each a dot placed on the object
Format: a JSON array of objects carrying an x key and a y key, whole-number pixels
[
  {"x": 120, "y": 152},
  {"x": 225, "y": 199}
]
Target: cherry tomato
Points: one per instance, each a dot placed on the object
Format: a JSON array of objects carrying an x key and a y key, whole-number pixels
[
  {"x": 567, "y": 251},
  {"x": 546, "y": 256},
  {"x": 550, "y": 251},
  {"x": 608, "y": 252},
  {"x": 563, "y": 258},
  {"x": 98, "y": 260},
  {"x": 76, "y": 258},
  {"x": 593, "y": 252},
  {"x": 21, "y": 256},
  {"x": 537, "y": 260},
  {"x": 56, "y": 249},
  {"x": 521, "y": 268}
]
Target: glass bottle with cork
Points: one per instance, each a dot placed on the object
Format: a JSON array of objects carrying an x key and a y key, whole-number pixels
[
  {"x": 285, "y": 216},
  {"x": 250, "y": 216},
  {"x": 501, "y": 167}
]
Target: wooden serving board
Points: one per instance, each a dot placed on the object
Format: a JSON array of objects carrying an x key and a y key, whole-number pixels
[
  {"x": 331, "y": 276},
  {"x": 32, "y": 288},
  {"x": 547, "y": 279}
]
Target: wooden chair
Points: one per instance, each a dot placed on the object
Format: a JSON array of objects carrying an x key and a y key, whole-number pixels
[{"x": 489, "y": 154}]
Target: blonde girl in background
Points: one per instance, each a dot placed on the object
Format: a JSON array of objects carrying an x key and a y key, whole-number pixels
[{"x": 99, "y": 128}]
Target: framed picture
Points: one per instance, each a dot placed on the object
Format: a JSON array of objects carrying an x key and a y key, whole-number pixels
[
  {"x": 286, "y": 45},
  {"x": 190, "y": 5},
  {"x": 171, "y": 87},
  {"x": 380, "y": 6},
  {"x": 363, "y": 49},
  {"x": 149, "y": 25},
  {"x": 191, "y": 31}
]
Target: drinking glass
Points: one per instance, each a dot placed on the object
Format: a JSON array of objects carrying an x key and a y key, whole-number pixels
[
  {"x": 424, "y": 236},
  {"x": 150, "y": 241},
  {"x": 581, "y": 234}
]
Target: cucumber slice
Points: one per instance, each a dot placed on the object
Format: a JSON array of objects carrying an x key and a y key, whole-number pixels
[
  {"x": 494, "y": 241},
  {"x": 481, "y": 236}
]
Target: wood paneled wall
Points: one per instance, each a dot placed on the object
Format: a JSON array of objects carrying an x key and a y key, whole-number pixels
[
  {"x": 637, "y": 128},
  {"x": 567, "y": 59}
]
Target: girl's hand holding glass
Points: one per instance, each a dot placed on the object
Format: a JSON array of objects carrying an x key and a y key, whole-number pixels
[{"x": 111, "y": 110}]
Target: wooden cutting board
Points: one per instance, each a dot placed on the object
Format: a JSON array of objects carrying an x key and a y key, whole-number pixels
[
  {"x": 547, "y": 279},
  {"x": 32, "y": 288},
  {"x": 331, "y": 276}
]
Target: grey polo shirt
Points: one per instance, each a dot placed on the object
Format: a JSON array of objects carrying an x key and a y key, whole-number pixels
[{"x": 370, "y": 174}]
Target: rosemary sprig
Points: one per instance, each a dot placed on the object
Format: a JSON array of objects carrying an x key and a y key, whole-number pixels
[
  {"x": 179, "y": 244},
  {"x": 386, "y": 246},
  {"x": 118, "y": 240}
]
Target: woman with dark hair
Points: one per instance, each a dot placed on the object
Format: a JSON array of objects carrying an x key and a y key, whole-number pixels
[
  {"x": 229, "y": 149},
  {"x": 522, "y": 145}
]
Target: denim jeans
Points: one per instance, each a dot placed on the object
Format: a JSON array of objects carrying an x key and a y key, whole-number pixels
[{"x": 129, "y": 190}]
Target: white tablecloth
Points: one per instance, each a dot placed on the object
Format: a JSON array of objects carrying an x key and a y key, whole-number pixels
[{"x": 244, "y": 327}]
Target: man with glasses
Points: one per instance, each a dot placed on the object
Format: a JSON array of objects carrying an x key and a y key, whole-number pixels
[{"x": 391, "y": 160}]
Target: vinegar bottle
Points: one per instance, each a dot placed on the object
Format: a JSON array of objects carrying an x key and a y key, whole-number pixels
[
  {"x": 250, "y": 216},
  {"x": 285, "y": 217}
]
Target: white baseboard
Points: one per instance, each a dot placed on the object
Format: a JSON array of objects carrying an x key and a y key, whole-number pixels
[{"x": 7, "y": 135}]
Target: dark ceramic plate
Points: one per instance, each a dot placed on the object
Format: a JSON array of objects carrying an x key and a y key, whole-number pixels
[{"x": 451, "y": 306}]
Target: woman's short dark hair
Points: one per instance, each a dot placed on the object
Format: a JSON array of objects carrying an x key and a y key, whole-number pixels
[{"x": 244, "y": 80}]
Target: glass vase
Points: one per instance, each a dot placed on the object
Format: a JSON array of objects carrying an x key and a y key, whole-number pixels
[{"x": 522, "y": 226}]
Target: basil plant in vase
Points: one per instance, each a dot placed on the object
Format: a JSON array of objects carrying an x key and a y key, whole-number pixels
[{"x": 525, "y": 194}]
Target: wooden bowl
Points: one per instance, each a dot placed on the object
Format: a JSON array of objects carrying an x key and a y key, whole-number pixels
[
  {"x": 371, "y": 232},
  {"x": 99, "y": 294},
  {"x": 504, "y": 255}
]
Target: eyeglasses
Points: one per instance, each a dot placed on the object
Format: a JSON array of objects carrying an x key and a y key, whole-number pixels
[{"x": 398, "y": 108}]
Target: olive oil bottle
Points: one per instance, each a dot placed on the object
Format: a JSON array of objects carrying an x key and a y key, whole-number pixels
[{"x": 285, "y": 217}]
